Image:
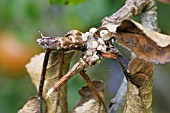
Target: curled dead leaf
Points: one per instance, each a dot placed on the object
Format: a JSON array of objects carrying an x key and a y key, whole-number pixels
[
  {"x": 34, "y": 68},
  {"x": 145, "y": 43},
  {"x": 161, "y": 40},
  {"x": 31, "y": 106},
  {"x": 140, "y": 71},
  {"x": 89, "y": 103}
]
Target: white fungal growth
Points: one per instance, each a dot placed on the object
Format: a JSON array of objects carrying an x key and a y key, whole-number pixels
[
  {"x": 92, "y": 30},
  {"x": 61, "y": 42},
  {"x": 70, "y": 45},
  {"x": 104, "y": 33},
  {"x": 104, "y": 48},
  {"x": 84, "y": 57},
  {"x": 99, "y": 47},
  {"x": 50, "y": 92},
  {"x": 100, "y": 41},
  {"x": 112, "y": 27},
  {"x": 73, "y": 39},
  {"x": 77, "y": 41},
  {"x": 85, "y": 36},
  {"x": 112, "y": 40},
  {"x": 95, "y": 44},
  {"x": 95, "y": 57},
  {"x": 88, "y": 53}
]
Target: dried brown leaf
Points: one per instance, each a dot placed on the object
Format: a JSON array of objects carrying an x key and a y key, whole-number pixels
[
  {"x": 146, "y": 44},
  {"x": 34, "y": 68},
  {"x": 140, "y": 71},
  {"x": 31, "y": 106},
  {"x": 89, "y": 103},
  {"x": 161, "y": 40},
  {"x": 139, "y": 99}
]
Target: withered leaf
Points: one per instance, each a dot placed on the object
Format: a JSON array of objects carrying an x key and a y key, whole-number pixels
[
  {"x": 89, "y": 103},
  {"x": 31, "y": 106},
  {"x": 139, "y": 99},
  {"x": 34, "y": 68},
  {"x": 140, "y": 71},
  {"x": 146, "y": 44},
  {"x": 161, "y": 40}
]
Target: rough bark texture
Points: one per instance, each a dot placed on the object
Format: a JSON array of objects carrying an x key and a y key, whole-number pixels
[{"x": 139, "y": 98}]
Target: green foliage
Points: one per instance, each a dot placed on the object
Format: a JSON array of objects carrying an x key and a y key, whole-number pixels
[{"x": 66, "y": 2}]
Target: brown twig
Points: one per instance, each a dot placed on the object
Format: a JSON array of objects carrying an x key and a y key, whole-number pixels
[
  {"x": 149, "y": 17},
  {"x": 75, "y": 69},
  {"x": 131, "y": 7},
  {"x": 88, "y": 81},
  {"x": 113, "y": 56},
  {"x": 41, "y": 84}
]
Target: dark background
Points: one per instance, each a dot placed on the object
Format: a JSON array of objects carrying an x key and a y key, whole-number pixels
[{"x": 20, "y": 21}]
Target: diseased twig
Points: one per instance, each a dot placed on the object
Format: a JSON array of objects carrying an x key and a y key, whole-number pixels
[
  {"x": 131, "y": 7},
  {"x": 76, "y": 68},
  {"x": 88, "y": 102},
  {"x": 88, "y": 81},
  {"x": 149, "y": 17},
  {"x": 113, "y": 56},
  {"x": 43, "y": 73}
]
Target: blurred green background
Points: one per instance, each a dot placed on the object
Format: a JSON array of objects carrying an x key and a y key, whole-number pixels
[{"x": 20, "y": 21}]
